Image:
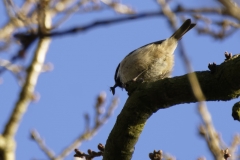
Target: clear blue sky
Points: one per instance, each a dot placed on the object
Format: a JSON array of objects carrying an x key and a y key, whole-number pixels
[{"x": 84, "y": 66}]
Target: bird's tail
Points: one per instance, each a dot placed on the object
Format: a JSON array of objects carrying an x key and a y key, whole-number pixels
[{"x": 186, "y": 26}]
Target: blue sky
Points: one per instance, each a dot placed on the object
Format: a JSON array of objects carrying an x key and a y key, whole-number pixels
[{"x": 84, "y": 66}]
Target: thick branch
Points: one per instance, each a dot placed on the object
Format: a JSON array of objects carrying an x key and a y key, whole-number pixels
[{"x": 148, "y": 98}]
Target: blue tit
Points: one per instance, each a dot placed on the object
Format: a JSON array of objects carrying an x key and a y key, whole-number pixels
[{"x": 150, "y": 62}]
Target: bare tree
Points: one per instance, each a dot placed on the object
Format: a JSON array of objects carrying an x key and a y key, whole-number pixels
[{"x": 32, "y": 22}]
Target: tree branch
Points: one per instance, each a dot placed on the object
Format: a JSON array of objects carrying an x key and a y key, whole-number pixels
[
  {"x": 231, "y": 8},
  {"x": 222, "y": 85},
  {"x": 35, "y": 136},
  {"x": 7, "y": 150},
  {"x": 27, "y": 90}
]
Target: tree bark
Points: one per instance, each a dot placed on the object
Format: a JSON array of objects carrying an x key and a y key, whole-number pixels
[{"x": 147, "y": 98}]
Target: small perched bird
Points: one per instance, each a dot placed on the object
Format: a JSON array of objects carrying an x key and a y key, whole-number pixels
[{"x": 150, "y": 62}]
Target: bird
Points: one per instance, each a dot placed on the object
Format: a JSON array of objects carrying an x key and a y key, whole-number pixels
[{"x": 151, "y": 62}]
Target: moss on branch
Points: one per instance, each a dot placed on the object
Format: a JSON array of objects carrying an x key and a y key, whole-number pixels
[{"x": 147, "y": 98}]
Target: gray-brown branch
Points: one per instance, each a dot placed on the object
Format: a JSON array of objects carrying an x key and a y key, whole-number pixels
[{"x": 147, "y": 98}]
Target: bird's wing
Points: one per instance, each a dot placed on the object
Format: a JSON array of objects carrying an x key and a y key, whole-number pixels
[{"x": 156, "y": 42}]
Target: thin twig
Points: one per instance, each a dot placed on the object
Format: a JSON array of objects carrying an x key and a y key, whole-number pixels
[
  {"x": 89, "y": 133},
  {"x": 119, "y": 7},
  {"x": 209, "y": 133},
  {"x": 35, "y": 136},
  {"x": 69, "y": 13},
  {"x": 213, "y": 142},
  {"x": 233, "y": 147}
]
